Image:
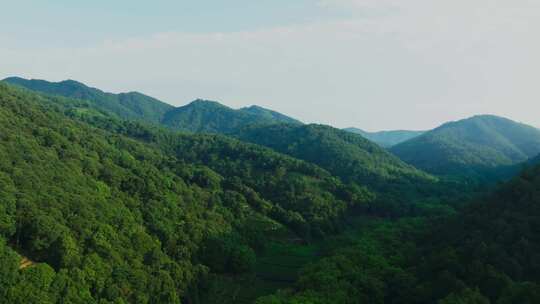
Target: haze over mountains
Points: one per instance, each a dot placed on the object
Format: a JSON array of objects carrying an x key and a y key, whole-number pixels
[{"x": 387, "y": 139}]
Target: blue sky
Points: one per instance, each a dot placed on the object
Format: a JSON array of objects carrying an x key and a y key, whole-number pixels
[
  {"x": 373, "y": 64},
  {"x": 89, "y": 21}
]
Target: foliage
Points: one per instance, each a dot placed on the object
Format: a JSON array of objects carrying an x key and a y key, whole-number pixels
[
  {"x": 124, "y": 212},
  {"x": 487, "y": 253},
  {"x": 355, "y": 160},
  {"x": 346, "y": 155},
  {"x": 117, "y": 211}
]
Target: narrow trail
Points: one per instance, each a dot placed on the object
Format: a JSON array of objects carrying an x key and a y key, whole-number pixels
[{"x": 25, "y": 263}]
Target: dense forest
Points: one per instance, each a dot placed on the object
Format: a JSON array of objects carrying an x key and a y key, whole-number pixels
[
  {"x": 351, "y": 157},
  {"x": 401, "y": 189},
  {"x": 121, "y": 198},
  {"x": 104, "y": 217},
  {"x": 486, "y": 253}
]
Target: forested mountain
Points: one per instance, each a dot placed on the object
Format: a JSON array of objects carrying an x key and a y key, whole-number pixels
[
  {"x": 199, "y": 116},
  {"x": 212, "y": 117},
  {"x": 387, "y": 139},
  {"x": 112, "y": 211},
  {"x": 487, "y": 253},
  {"x": 351, "y": 157},
  {"x": 477, "y": 145},
  {"x": 131, "y": 105},
  {"x": 99, "y": 209},
  {"x": 269, "y": 114}
]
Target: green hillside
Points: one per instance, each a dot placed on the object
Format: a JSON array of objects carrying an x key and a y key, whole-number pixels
[
  {"x": 387, "y": 139},
  {"x": 473, "y": 146},
  {"x": 126, "y": 213},
  {"x": 126, "y": 105},
  {"x": 487, "y": 253},
  {"x": 346, "y": 155},
  {"x": 99, "y": 209}
]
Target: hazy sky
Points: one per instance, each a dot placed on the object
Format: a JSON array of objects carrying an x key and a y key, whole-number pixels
[{"x": 373, "y": 64}]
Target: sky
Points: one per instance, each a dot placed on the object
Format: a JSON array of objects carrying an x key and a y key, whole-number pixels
[{"x": 371, "y": 64}]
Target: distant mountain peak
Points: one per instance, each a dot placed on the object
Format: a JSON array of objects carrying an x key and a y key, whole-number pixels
[
  {"x": 255, "y": 107},
  {"x": 73, "y": 82},
  {"x": 270, "y": 114},
  {"x": 477, "y": 145},
  {"x": 386, "y": 139},
  {"x": 205, "y": 102},
  {"x": 13, "y": 78},
  {"x": 213, "y": 117}
]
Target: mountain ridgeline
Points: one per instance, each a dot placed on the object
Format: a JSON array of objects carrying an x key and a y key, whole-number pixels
[
  {"x": 198, "y": 116},
  {"x": 100, "y": 210},
  {"x": 126, "y": 105},
  {"x": 387, "y": 139},
  {"x": 346, "y": 155},
  {"x": 271, "y": 115},
  {"x": 481, "y": 145},
  {"x": 205, "y": 116}
]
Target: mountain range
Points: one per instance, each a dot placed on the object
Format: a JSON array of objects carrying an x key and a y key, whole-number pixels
[
  {"x": 102, "y": 200},
  {"x": 387, "y": 139},
  {"x": 481, "y": 147},
  {"x": 131, "y": 105},
  {"x": 198, "y": 116},
  {"x": 103, "y": 208}
]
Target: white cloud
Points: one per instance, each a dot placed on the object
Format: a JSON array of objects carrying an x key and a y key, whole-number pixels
[{"x": 418, "y": 63}]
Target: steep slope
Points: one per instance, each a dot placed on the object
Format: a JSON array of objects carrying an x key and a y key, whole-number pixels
[
  {"x": 346, "y": 155},
  {"x": 125, "y": 213},
  {"x": 387, "y": 139},
  {"x": 472, "y": 146},
  {"x": 269, "y": 114},
  {"x": 494, "y": 241},
  {"x": 489, "y": 252},
  {"x": 212, "y": 117},
  {"x": 131, "y": 105}
]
